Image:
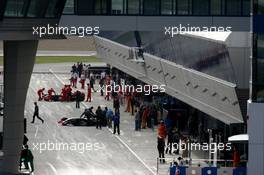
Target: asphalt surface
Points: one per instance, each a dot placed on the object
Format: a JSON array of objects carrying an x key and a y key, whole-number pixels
[{"x": 131, "y": 153}]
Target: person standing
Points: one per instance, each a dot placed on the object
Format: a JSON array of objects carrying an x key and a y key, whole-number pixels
[
  {"x": 162, "y": 133},
  {"x": 92, "y": 81},
  {"x": 78, "y": 99},
  {"x": 235, "y": 157},
  {"x": 128, "y": 102},
  {"x": 145, "y": 118},
  {"x": 133, "y": 101},
  {"x": 36, "y": 113},
  {"x": 117, "y": 122},
  {"x": 99, "y": 116},
  {"x": 116, "y": 103},
  {"x": 161, "y": 149},
  {"x": 75, "y": 79},
  {"x": 109, "y": 117},
  {"x": 170, "y": 141},
  {"x": 74, "y": 68},
  {"x": 80, "y": 69},
  {"x": 101, "y": 84},
  {"x": 82, "y": 81},
  {"x": 89, "y": 93},
  {"x": 137, "y": 119}
]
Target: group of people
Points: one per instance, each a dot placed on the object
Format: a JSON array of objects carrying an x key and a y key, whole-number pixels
[
  {"x": 82, "y": 72},
  {"x": 106, "y": 115},
  {"x": 173, "y": 136},
  {"x": 46, "y": 97},
  {"x": 146, "y": 115}
]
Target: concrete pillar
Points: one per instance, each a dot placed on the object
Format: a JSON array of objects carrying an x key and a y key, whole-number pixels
[
  {"x": 19, "y": 58},
  {"x": 256, "y": 138}
]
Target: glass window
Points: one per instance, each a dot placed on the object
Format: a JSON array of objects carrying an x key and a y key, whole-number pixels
[
  {"x": 69, "y": 7},
  {"x": 183, "y": 7},
  {"x": 260, "y": 71},
  {"x": 246, "y": 8},
  {"x": 260, "y": 94},
  {"x": 37, "y": 8},
  {"x": 260, "y": 46},
  {"x": 258, "y": 66},
  {"x": 151, "y": 7},
  {"x": 117, "y": 7},
  {"x": 166, "y": 7},
  {"x": 233, "y": 7},
  {"x": 16, "y": 8},
  {"x": 260, "y": 6},
  {"x": 174, "y": 7},
  {"x": 216, "y": 6},
  {"x": 97, "y": 7},
  {"x": 85, "y": 7},
  {"x": 100, "y": 7},
  {"x": 104, "y": 6},
  {"x": 200, "y": 7},
  {"x": 55, "y": 7},
  {"x": 2, "y": 4},
  {"x": 133, "y": 7}
]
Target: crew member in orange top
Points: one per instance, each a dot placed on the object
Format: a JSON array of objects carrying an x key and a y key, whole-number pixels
[
  {"x": 89, "y": 93},
  {"x": 50, "y": 93},
  {"x": 145, "y": 117},
  {"x": 129, "y": 98},
  {"x": 40, "y": 93},
  {"x": 236, "y": 157}
]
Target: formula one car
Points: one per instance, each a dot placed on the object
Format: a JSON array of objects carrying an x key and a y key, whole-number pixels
[
  {"x": 77, "y": 122},
  {"x": 71, "y": 98}
]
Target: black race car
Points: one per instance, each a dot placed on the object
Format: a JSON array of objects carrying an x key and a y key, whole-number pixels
[
  {"x": 77, "y": 122},
  {"x": 80, "y": 122}
]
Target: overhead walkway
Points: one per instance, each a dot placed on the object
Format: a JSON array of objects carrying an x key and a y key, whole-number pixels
[{"x": 210, "y": 95}]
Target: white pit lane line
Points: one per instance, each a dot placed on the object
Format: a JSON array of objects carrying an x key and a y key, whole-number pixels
[{"x": 117, "y": 137}]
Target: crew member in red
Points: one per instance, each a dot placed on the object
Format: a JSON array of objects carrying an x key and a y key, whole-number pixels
[
  {"x": 41, "y": 93},
  {"x": 108, "y": 88},
  {"x": 63, "y": 93},
  {"x": 50, "y": 93},
  {"x": 120, "y": 95},
  {"x": 129, "y": 98},
  {"x": 82, "y": 81},
  {"x": 89, "y": 93},
  {"x": 68, "y": 92}
]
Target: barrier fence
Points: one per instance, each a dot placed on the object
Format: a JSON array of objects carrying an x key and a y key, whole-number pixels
[{"x": 198, "y": 167}]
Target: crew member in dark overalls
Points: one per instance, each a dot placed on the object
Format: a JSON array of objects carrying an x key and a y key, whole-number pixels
[
  {"x": 36, "y": 113},
  {"x": 99, "y": 116}
]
